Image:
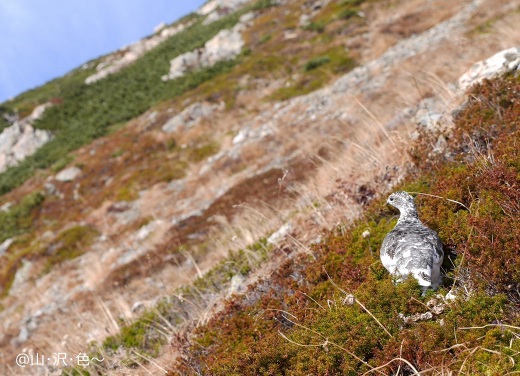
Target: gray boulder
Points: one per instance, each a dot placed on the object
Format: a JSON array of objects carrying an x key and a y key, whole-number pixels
[
  {"x": 189, "y": 117},
  {"x": 19, "y": 141},
  {"x": 68, "y": 174},
  {"x": 225, "y": 45},
  {"x": 504, "y": 61}
]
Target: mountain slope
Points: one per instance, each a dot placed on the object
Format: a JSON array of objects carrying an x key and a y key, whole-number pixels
[{"x": 171, "y": 175}]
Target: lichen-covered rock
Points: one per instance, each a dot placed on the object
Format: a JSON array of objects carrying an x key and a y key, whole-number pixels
[
  {"x": 214, "y": 5},
  {"x": 189, "y": 117},
  {"x": 19, "y": 141},
  {"x": 5, "y": 245},
  {"x": 225, "y": 45},
  {"x": 68, "y": 174},
  {"x": 504, "y": 61},
  {"x": 127, "y": 55}
]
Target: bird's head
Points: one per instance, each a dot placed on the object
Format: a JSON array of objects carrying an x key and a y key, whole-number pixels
[{"x": 402, "y": 201}]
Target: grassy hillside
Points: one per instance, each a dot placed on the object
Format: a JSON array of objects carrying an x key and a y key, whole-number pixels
[
  {"x": 83, "y": 112},
  {"x": 337, "y": 312},
  {"x": 340, "y": 314}
]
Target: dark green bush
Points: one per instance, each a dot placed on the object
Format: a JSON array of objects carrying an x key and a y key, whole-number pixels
[
  {"x": 316, "y": 26},
  {"x": 316, "y": 62},
  {"x": 348, "y": 13},
  {"x": 18, "y": 219}
]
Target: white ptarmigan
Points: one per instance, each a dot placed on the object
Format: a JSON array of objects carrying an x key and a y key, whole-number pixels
[{"x": 411, "y": 247}]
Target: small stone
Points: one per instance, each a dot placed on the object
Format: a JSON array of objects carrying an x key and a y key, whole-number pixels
[
  {"x": 451, "y": 295},
  {"x": 5, "y": 245},
  {"x": 349, "y": 299},
  {"x": 440, "y": 145},
  {"x": 50, "y": 188},
  {"x": 304, "y": 20},
  {"x": 5, "y": 207},
  {"x": 68, "y": 174},
  {"x": 137, "y": 307},
  {"x": 438, "y": 309},
  {"x": 237, "y": 284},
  {"x": 280, "y": 234}
]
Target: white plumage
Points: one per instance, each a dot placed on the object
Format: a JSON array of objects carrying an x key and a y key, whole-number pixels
[{"x": 411, "y": 247}]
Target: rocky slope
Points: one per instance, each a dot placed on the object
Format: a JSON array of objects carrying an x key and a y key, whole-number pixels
[{"x": 309, "y": 121}]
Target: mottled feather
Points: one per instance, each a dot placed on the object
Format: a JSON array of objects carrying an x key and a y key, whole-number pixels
[{"x": 411, "y": 247}]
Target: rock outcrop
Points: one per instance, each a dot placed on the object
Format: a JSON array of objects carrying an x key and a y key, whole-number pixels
[
  {"x": 127, "y": 55},
  {"x": 224, "y": 46},
  {"x": 215, "y": 9},
  {"x": 503, "y": 61},
  {"x": 189, "y": 117},
  {"x": 21, "y": 140},
  {"x": 68, "y": 174}
]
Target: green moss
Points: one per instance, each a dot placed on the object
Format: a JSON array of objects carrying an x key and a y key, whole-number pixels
[
  {"x": 239, "y": 262},
  {"x": 201, "y": 153},
  {"x": 126, "y": 193},
  {"x": 263, "y": 4},
  {"x": 316, "y": 26},
  {"x": 19, "y": 218},
  {"x": 316, "y": 62},
  {"x": 117, "y": 153},
  {"x": 348, "y": 13},
  {"x": 69, "y": 244},
  {"x": 316, "y": 73},
  {"x": 141, "y": 335},
  {"x": 266, "y": 38}
]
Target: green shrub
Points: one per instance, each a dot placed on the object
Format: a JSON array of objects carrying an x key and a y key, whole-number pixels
[
  {"x": 263, "y": 4},
  {"x": 264, "y": 39},
  {"x": 200, "y": 153},
  {"x": 348, "y": 13},
  {"x": 351, "y": 3},
  {"x": 69, "y": 244},
  {"x": 18, "y": 219},
  {"x": 316, "y": 26},
  {"x": 316, "y": 62}
]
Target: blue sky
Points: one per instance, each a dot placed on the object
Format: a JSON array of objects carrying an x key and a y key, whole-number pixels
[{"x": 44, "y": 39}]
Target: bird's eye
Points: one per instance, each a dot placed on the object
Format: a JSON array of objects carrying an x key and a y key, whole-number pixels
[{"x": 391, "y": 199}]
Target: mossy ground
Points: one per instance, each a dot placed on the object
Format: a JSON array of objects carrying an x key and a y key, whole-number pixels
[{"x": 302, "y": 324}]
